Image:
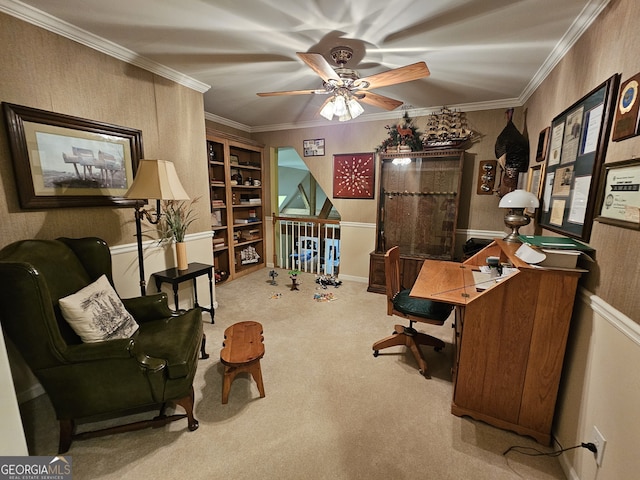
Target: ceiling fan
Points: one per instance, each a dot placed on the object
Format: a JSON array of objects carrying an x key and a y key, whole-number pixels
[{"x": 346, "y": 86}]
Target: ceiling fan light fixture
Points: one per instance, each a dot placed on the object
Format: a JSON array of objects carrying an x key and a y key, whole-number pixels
[
  {"x": 328, "y": 110},
  {"x": 340, "y": 105},
  {"x": 355, "y": 109}
]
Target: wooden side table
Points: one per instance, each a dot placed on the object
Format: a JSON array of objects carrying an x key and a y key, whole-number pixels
[{"x": 175, "y": 277}]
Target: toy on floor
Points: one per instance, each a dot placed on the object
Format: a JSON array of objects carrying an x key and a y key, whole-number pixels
[
  {"x": 273, "y": 274},
  {"x": 324, "y": 297},
  {"x": 326, "y": 280},
  {"x": 293, "y": 275}
]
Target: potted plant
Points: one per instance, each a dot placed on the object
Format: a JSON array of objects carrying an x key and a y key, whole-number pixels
[{"x": 176, "y": 217}]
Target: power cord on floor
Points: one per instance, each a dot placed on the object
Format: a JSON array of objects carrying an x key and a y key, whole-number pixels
[{"x": 534, "y": 452}]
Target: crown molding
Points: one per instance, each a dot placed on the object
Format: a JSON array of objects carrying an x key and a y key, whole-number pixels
[
  {"x": 48, "y": 22},
  {"x": 225, "y": 121},
  {"x": 393, "y": 115},
  {"x": 589, "y": 13},
  {"x": 41, "y": 19}
]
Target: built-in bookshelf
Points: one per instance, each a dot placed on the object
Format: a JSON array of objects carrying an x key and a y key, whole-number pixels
[{"x": 236, "y": 192}]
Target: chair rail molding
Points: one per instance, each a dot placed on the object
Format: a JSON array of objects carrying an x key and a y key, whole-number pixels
[{"x": 616, "y": 318}]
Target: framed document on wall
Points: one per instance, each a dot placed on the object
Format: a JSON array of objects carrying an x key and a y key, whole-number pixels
[
  {"x": 578, "y": 143},
  {"x": 619, "y": 198}
]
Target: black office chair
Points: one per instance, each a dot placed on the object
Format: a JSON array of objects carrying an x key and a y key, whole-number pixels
[{"x": 399, "y": 303}]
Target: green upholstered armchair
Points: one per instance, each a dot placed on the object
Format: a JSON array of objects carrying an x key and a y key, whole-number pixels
[{"x": 105, "y": 379}]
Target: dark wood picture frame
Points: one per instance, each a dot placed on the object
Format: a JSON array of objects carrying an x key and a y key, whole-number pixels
[
  {"x": 534, "y": 185},
  {"x": 626, "y": 122},
  {"x": 577, "y": 147},
  {"x": 65, "y": 161},
  {"x": 619, "y": 194},
  {"x": 353, "y": 175},
  {"x": 543, "y": 145}
]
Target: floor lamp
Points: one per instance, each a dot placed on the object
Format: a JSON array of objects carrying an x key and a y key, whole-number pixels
[{"x": 154, "y": 180}]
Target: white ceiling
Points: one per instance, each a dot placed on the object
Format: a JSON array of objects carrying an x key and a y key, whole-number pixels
[{"x": 481, "y": 53}]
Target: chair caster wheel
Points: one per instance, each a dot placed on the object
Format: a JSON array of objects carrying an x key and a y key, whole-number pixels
[{"x": 375, "y": 353}]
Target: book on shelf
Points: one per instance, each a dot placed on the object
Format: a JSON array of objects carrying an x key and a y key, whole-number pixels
[
  {"x": 218, "y": 242},
  {"x": 251, "y": 234},
  {"x": 241, "y": 221}
]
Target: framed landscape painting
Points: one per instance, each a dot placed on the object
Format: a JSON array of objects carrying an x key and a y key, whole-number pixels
[{"x": 65, "y": 161}]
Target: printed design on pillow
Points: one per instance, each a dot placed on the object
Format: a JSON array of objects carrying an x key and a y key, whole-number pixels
[
  {"x": 96, "y": 313},
  {"x": 109, "y": 315}
]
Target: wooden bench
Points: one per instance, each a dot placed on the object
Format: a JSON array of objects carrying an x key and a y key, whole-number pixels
[{"x": 242, "y": 350}]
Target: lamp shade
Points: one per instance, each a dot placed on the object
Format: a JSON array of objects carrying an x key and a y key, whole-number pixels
[
  {"x": 157, "y": 180},
  {"x": 519, "y": 199},
  {"x": 327, "y": 110}
]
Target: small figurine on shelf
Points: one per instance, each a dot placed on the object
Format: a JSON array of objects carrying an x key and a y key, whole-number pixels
[
  {"x": 293, "y": 275},
  {"x": 273, "y": 274}
]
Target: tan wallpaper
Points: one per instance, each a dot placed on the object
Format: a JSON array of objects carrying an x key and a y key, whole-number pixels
[
  {"x": 476, "y": 212},
  {"x": 43, "y": 70},
  {"x": 610, "y": 46}
]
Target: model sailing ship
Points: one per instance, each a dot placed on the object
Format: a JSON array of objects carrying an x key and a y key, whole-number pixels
[{"x": 447, "y": 129}]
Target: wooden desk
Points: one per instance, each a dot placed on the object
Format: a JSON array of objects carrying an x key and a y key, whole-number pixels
[{"x": 510, "y": 338}]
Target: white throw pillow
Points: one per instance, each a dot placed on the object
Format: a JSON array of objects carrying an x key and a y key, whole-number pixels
[{"x": 96, "y": 313}]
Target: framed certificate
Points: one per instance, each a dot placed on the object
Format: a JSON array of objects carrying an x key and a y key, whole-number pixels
[{"x": 619, "y": 197}]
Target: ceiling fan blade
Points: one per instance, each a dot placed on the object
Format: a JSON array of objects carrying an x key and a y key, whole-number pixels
[
  {"x": 319, "y": 65},
  {"x": 397, "y": 75},
  {"x": 293, "y": 92},
  {"x": 379, "y": 101}
]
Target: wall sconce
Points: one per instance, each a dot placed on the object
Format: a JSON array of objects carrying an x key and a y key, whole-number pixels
[{"x": 516, "y": 201}]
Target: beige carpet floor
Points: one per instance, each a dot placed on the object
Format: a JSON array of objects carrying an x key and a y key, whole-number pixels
[{"x": 331, "y": 411}]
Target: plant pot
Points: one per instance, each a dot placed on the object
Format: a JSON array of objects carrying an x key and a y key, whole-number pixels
[{"x": 181, "y": 255}]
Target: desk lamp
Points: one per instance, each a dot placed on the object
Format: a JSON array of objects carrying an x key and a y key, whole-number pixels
[
  {"x": 156, "y": 180},
  {"x": 516, "y": 201}
]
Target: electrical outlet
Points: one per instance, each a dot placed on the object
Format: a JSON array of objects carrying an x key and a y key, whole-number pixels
[{"x": 599, "y": 441}]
